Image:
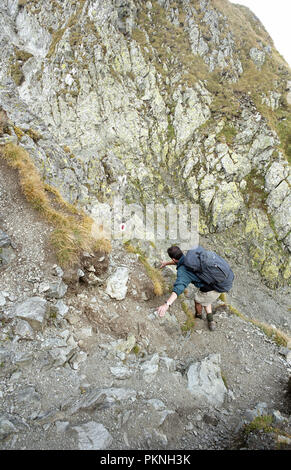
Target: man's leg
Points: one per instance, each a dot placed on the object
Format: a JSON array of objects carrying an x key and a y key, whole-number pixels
[
  {"x": 198, "y": 310},
  {"x": 209, "y": 316}
]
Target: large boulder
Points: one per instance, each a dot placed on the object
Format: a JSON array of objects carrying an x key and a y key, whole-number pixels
[
  {"x": 205, "y": 382},
  {"x": 117, "y": 284}
]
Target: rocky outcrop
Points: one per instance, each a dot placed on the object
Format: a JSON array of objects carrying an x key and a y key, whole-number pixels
[{"x": 100, "y": 97}]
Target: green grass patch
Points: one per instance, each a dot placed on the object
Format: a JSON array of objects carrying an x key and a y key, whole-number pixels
[
  {"x": 260, "y": 423},
  {"x": 227, "y": 134}
]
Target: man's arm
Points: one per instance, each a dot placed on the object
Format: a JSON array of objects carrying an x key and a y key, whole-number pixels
[
  {"x": 163, "y": 308},
  {"x": 167, "y": 263},
  {"x": 182, "y": 281}
]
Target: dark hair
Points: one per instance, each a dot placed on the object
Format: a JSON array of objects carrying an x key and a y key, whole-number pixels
[{"x": 175, "y": 252}]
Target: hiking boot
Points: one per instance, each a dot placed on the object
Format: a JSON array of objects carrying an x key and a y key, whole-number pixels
[
  {"x": 211, "y": 325},
  {"x": 198, "y": 315}
]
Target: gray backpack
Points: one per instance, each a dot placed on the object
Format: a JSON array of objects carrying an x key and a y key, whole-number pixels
[{"x": 210, "y": 268}]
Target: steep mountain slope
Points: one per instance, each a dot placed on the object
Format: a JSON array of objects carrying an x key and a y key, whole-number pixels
[{"x": 165, "y": 102}]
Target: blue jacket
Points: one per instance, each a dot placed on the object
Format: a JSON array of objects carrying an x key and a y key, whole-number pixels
[{"x": 184, "y": 277}]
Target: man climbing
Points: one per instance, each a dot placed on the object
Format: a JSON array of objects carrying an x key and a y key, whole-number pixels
[{"x": 207, "y": 271}]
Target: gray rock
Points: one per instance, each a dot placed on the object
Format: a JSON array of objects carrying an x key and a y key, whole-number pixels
[
  {"x": 4, "y": 239},
  {"x": 275, "y": 174},
  {"x": 2, "y": 300},
  {"x": 24, "y": 330},
  {"x": 92, "y": 436},
  {"x": 250, "y": 415},
  {"x": 284, "y": 351},
  {"x": 84, "y": 333},
  {"x": 100, "y": 398},
  {"x": 56, "y": 290},
  {"x": 157, "y": 404},
  {"x": 257, "y": 56},
  {"x": 121, "y": 372},
  {"x": 77, "y": 359},
  {"x": 58, "y": 271},
  {"x": 28, "y": 402},
  {"x": 61, "y": 426},
  {"x": 282, "y": 215},
  {"x": 272, "y": 100},
  {"x": 169, "y": 363},
  {"x": 34, "y": 311},
  {"x": 28, "y": 394},
  {"x": 10, "y": 424},
  {"x": 49, "y": 416},
  {"x": 60, "y": 308},
  {"x": 22, "y": 358},
  {"x": 284, "y": 440},
  {"x": 6, "y": 427},
  {"x": 150, "y": 368},
  {"x": 6, "y": 361},
  {"x": 205, "y": 382},
  {"x": 227, "y": 204},
  {"x": 117, "y": 284},
  {"x": 278, "y": 418},
  {"x": 7, "y": 255},
  {"x": 60, "y": 356},
  {"x": 7, "y": 139},
  {"x": 277, "y": 196}
]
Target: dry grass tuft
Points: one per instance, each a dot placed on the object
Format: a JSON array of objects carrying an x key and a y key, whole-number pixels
[
  {"x": 280, "y": 338},
  {"x": 3, "y": 121},
  {"x": 73, "y": 228},
  {"x": 190, "y": 322}
]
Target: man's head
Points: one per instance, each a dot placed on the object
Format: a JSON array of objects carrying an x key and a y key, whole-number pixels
[{"x": 175, "y": 253}]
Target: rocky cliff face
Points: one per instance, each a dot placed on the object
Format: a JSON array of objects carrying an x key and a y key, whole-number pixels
[
  {"x": 162, "y": 101},
  {"x": 166, "y": 101}
]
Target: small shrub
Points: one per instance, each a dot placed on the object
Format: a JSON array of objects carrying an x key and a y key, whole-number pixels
[
  {"x": 260, "y": 423},
  {"x": 34, "y": 135}
]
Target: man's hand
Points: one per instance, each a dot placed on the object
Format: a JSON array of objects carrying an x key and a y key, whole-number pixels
[
  {"x": 162, "y": 310},
  {"x": 164, "y": 263}
]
